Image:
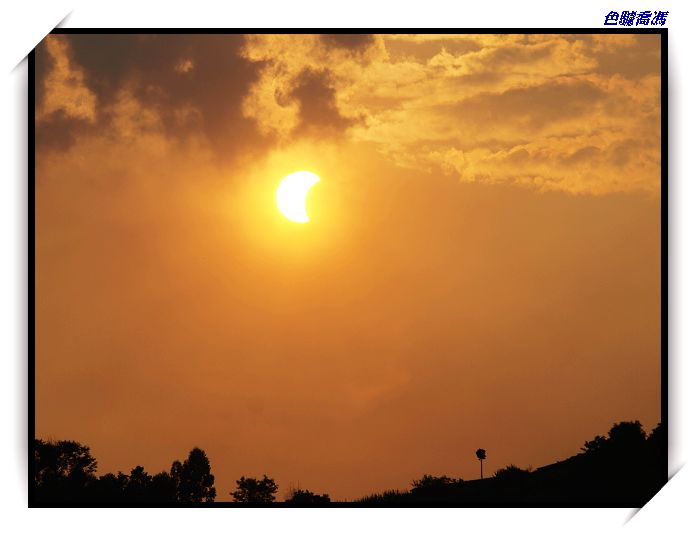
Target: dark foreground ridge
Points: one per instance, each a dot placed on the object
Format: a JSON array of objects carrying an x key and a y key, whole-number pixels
[{"x": 627, "y": 467}]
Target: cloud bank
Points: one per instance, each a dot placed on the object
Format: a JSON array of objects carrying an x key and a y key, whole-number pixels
[{"x": 579, "y": 114}]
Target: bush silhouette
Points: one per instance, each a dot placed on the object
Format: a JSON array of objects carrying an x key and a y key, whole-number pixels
[
  {"x": 307, "y": 497},
  {"x": 389, "y": 496},
  {"x": 512, "y": 472},
  {"x": 251, "y": 490},
  {"x": 432, "y": 485}
]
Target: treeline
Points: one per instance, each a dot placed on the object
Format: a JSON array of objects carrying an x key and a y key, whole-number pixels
[
  {"x": 627, "y": 466},
  {"x": 65, "y": 472}
]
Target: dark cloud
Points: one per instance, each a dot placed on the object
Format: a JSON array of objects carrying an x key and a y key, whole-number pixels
[
  {"x": 350, "y": 41},
  {"x": 43, "y": 63},
  {"x": 63, "y": 110},
  {"x": 481, "y": 78},
  {"x": 59, "y": 132},
  {"x": 517, "y": 54},
  {"x": 621, "y": 152},
  {"x": 584, "y": 154},
  {"x": 639, "y": 58},
  {"x": 429, "y": 100},
  {"x": 400, "y": 49},
  {"x": 317, "y": 98},
  {"x": 532, "y": 107},
  {"x": 212, "y": 86}
]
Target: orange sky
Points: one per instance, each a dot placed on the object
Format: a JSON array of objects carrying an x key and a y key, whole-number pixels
[{"x": 482, "y": 268}]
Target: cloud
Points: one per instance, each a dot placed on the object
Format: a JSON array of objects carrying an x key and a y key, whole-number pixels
[
  {"x": 300, "y": 77},
  {"x": 193, "y": 84},
  {"x": 63, "y": 89},
  {"x": 65, "y": 105},
  {"x": 356, "y": 42},
  {"x": 184, "y": 66},
  {"x": 472, "y": 105},
  {"x": 317, "y": 102},
  {"x": 585, "y": 109}
]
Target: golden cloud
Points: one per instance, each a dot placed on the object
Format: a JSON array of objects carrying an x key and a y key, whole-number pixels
[
  {"x": 549, "y": 111},
  {"x": 575, "y": 113},
  {"x": 64, "y": 88}
]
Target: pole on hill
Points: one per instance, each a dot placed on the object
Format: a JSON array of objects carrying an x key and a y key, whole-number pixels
[{"x": 481, "y": 455}]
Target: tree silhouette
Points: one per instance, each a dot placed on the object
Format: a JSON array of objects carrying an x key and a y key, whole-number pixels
[
  {"x": 193, "y": 480},
  {"x": 62, "y": 470},
  {"x": 481, "y": 455},
  {"x": 656, "y": 463},
  {"x": 162, "y": 488},
  {"x": 626, "y": 465},
  {"x": 657, "y": 434},
  {"x": 109, "y": 488},
  {"x": 627, "y": 435},
  {"x": 138, "y": 485},
  {"x": 252, "y": 490},
  {"x": 596, "y": 445},
  {"x": 307, "y": 497}
]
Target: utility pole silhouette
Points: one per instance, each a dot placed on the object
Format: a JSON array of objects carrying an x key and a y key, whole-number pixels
[{"x": 481, "y": 455}]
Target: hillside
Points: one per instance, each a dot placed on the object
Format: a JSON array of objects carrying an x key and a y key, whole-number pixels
[{"x": 625, "y": 468}]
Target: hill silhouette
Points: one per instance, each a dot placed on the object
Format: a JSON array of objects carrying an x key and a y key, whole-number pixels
[{"x": 626, "y": 467}]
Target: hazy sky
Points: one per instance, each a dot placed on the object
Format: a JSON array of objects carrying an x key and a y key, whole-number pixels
[{"x": 482, "y": 268}]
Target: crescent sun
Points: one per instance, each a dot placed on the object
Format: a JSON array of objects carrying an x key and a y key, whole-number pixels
[{"x": 291, "y": 195}]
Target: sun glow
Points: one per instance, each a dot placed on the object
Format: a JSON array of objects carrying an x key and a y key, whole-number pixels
[{"x": 291, "y": 195}]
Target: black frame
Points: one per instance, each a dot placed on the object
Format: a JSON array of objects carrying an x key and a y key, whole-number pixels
[{"x": 664, "y": 248}]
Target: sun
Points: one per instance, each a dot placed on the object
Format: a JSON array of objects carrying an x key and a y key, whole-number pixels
[{"x": 291, "y": 195}]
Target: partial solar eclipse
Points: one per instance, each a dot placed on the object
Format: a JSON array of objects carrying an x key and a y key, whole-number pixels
[{"x": 291, "y": 195}]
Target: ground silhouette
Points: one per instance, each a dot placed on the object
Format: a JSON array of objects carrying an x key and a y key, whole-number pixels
[{"x": 626, "y": 467}]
